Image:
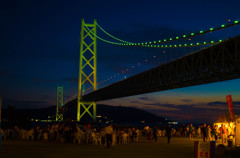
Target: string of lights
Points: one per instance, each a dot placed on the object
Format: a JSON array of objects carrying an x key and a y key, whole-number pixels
[
  {"x": 154, "y": 46},
  {"x": 223, "y": 26},
  {"x": 179, "y": 45},
  {"x": 124, "y": 71},
  {"x": 111, "y": 35},
  {"x": 102, "y": 38}
]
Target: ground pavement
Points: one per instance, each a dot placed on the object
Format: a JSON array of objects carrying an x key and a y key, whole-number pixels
[{"x": 179, "y": 147}]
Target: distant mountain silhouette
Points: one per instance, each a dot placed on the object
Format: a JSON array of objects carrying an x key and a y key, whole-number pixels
[
  {"x": 119, "y": 114},
  {"x": 116, "y": 114}
]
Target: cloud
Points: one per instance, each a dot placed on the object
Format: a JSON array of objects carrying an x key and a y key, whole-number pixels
[
  {"x": 187, "y": 100},
  {"x": 217, "y": 103},
  {"x": 159, "y": 107},
  {"x": 135, "y": 101},
  {"x": 144, "y": 98}
]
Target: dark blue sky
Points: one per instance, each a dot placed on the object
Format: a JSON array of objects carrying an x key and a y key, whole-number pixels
[{"x": 39, "y": 46}]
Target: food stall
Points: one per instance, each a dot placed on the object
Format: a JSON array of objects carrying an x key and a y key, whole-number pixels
[{"x": 228, "y": 132}]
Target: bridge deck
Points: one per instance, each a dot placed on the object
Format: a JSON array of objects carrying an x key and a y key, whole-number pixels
[{"x": 216, "y": 63}]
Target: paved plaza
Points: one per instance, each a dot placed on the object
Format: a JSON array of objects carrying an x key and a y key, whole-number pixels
[{"x": 180, "y": 147}]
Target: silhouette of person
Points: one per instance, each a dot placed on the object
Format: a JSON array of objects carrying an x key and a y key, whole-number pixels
[
  {"x": 168, "y": 132},
  {"x": 109, "y": 133}
]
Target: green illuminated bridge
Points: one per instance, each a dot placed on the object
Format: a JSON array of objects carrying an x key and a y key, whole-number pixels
[{"x": 219, "y": 61}]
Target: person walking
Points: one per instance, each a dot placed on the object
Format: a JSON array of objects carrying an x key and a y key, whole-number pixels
[
  {"x": 168, "y": 132},
  {"x": 191, "y": 128},
  {"x": 204, "y": 132},
  {"x": 109, "y": 133},
  {"x": 155, "y": 134}
]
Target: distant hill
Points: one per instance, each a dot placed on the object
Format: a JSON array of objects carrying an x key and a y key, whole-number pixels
[
  {"x": 105, "y": 113},
  {"x": 120, "y": 114}
]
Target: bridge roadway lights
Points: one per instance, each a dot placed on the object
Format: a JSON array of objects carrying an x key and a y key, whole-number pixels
[{"x": 87, "y": 68}]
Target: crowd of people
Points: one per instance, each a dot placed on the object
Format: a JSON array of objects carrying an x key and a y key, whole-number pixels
[
  {"x": 110, "y": 135},
  {"x": 74, "y": 134}
]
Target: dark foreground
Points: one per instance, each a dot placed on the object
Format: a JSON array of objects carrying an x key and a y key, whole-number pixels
[{"x": 180, "y": 147}]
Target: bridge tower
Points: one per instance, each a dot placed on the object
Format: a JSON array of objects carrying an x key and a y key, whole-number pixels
[
  {"x": 59, "y": 110},
  {"x": 87, "y": 68}
]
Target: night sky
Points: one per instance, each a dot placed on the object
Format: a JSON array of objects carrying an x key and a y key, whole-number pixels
[{"x": 39, "y": 46}]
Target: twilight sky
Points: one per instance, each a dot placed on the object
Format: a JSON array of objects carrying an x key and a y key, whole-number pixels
[{"x": 39, "y": 47}]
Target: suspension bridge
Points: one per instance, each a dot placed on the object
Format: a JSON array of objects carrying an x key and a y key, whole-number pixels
[{"x": 217, "y": 60}]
